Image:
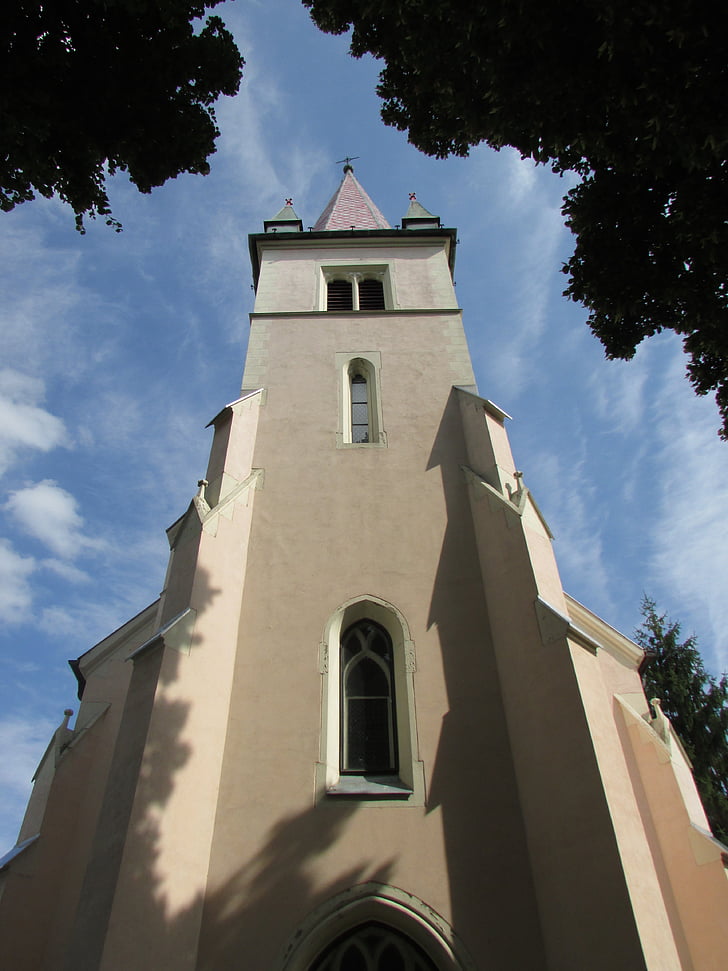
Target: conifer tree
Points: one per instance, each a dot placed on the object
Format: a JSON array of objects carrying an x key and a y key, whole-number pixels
[{"x": 696, "y": 704}]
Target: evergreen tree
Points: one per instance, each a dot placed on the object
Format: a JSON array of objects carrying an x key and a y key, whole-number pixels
[{"x": 696, "y": 704}]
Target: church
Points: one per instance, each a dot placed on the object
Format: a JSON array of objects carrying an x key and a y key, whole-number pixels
[{"x": 363, "y": 728}]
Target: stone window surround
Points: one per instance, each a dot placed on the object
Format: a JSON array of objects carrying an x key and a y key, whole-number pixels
[
  {"x": 407, "y": 788},
  {"x": 369, "y": 365},
  {"x": 383, "y": 903},
  {"x": 354, "y": 273}
]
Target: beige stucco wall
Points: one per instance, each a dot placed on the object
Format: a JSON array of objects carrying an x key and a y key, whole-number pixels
[
  {"x": 45, "y": 883},
  {"x": 332, "y": 524},
  {"x": 291, "y": 280},
  {"x": 550, "y": 835},
  {"x": 689, "y": 864},
  {"x": 163, "y": 868}
]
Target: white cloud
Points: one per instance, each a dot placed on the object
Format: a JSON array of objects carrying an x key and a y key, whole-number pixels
[
  {"x": 617, "y": 390},
  {"x": 15, "y": 589},
  {"x": 40, "y": 299},
  {"x": 66, "y": 571},
  {"x": 532, "y": 276},
  {"x": 22, "y": 742},
  {"x": 577, "y": 526},
  {"x": 689, "y": 560},
  {"x": 521, "y": 177},
  {"x": 22, "y": 423},
  {"x": 49, "y": 513}
]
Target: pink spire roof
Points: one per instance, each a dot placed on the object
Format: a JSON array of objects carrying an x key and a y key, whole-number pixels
[{"x": 350, "y": 208}]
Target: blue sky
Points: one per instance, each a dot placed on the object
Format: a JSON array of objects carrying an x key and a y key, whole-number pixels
[{"x": 118, "y": 349}]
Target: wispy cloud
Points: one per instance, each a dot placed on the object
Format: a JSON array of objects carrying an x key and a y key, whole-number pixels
[
  {"x": 15, "y": 589},
  {"x": 531, "y": 267},
  {"x": 578, "y": 541},
  {"x": 521, "y": 177},
  {"x": 23, "y": 424},
  {"x": 689, "y": 560},
  {"x": 617, "y": 390},
  {"x": 67, "y": 571},
  {"x": 22, "y": 741},
  {"x": 50, "y": 514}
]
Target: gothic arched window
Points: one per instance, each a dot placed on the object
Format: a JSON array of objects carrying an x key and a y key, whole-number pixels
[
  {"x": 373, "y": 947},
  {"x": 368, "y": 728}
]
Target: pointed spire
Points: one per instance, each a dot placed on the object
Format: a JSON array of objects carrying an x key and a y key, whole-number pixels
[
  {"x": 350, "y": 207},
  {"x": 418, "y": 217},
  {"x": 285, "y": 221}
]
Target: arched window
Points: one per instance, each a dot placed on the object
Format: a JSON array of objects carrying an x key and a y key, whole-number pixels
[
  {"x": 359, "y": 390},
  {"x": 373, "y": 947},
  {"x": 368, "y": 729},
  {"x": 361, "y": 409},
  {"x": 375, "y": 927},
  {"x": 339, "y": 295}
]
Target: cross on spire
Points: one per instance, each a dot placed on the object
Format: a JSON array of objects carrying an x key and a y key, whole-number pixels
[{"x": 348, "y": 167}]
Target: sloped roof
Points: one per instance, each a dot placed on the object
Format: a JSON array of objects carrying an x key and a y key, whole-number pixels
[
  {"x": 350, "y": 208},
  {"x": 287, "y": 213},
  {"x": 417, "y": 210}
]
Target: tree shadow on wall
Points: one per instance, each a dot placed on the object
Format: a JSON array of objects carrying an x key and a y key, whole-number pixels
[
  {"x": 473, "y": 781},
  {"x": 244, "y": 922}
]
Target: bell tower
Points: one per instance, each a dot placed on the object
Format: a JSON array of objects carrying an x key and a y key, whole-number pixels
[{"x": 364, "y": 727}]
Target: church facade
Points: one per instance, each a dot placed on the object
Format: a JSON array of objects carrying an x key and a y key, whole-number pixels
[{"x": 363, "y": 728}]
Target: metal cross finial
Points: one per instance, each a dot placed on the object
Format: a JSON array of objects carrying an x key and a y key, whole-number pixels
[
  {"x": 348, "y": 167},
  {"x": 413, "y": 196},
  {"x": 289, "y": 202}
]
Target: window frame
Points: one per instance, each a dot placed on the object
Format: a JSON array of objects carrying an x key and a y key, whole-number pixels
[
  {"x": 354, "y": 275},
  {"x": 405, "y": 786},
  {"x": 382, "y": 903},
  {"x": 367, "y": 364}
]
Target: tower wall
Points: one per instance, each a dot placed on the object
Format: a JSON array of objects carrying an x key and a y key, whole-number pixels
[{"x": 536, "y": 816}]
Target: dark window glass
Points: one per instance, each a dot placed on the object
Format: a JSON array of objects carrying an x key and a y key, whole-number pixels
[
  {"x": 359, "y": 409},
  {"x": 368, "y": 727},
  {"x": 339, "y": 295},
  {"x": 371, "y": 295},
  {"x": 373, "y": 947},
  {"x": 391, "y": 959}
]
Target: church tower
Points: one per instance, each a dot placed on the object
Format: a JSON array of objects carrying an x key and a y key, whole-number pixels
[{"x": 363, "y": 728}]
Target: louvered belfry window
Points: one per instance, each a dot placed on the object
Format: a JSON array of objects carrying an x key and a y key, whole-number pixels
[
  {"x": 371, "y": 295},
  {"x": 339, "y": 295}
]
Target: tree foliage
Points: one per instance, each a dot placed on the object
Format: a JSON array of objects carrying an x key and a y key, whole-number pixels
[
  {"x": 92, "y": 87},
  {"x": 629, "y": 94},
  {"x": 696, "y": 704}
]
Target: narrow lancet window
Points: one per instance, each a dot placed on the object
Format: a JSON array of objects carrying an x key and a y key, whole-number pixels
[
  {"x": 368, "y": 730},
  {"x": 339, "y": 295},
  {"x": 359, "y": 409}
]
